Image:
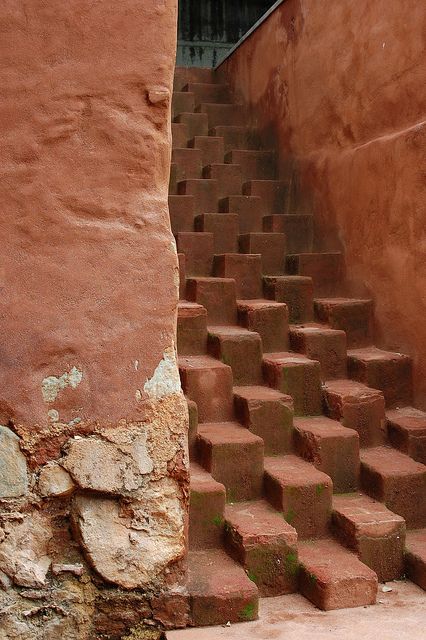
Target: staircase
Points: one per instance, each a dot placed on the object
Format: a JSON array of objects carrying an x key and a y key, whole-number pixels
[{"x": 307, "y": 462}]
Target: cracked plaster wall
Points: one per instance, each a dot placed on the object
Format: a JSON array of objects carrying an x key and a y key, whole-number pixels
[{"x": 93, "y": 442}]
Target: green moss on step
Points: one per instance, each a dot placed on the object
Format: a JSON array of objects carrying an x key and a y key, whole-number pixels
[
  {"x": 291, "y": 563},
  {"x": 290, "y": 516},
  {"x": 248, "y": 612},
  {"x": 218, "y": 521}
]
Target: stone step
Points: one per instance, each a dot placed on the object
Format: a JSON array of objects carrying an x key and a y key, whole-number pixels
[
  {"x": 235, "y": 137},
  {"x": 415, "y": 557},
  {"x": 259, "y": 538},
  {"x": 297, "y": 376},
  {"x": 182, "y": 102},
  {"x": 240, "y": 349},
  {"x": 219, "y": 590},
  {"x": 182, "y": 276},
  {"x": 212, "y": 149},
  {"x": 228, "y": 176},
  {"x": 217, "y": 295},
  {"x": 357, "y": 407},
  {"x": 244, "y": 269},
  {"x": 191, "y": 329},
  {"x": 406, "y": 429},
  {"x": 298, "y": 230},
  {"x": 332, "y": 448},
  {"x": 376, "y": 534},
  {"x": 179, "y": 135},
  {"x": 223, "y": 226},
  {"x": 325, "y": 269},
  {"x": 204, "y": 193},
  {"x": 295, "y": 291},
  {"x": 192, "y": 428},
  {"x": 255, "y": 164},
  {"x": 234, "y": 456},
  {"x": 390, "y": 372},
  {"x": 188, "y": 163},
  {"x": 206, "y": 510},
  {"x": 181, "y": 210},
  {"x": 223, "y": 114},
  {"x": 301, "y": 492},
  {"x": 208, "y": 383},
  {"x": 249, "y": 211},
  {"x": 352, "y": 315},
  {"x": 196, "y": 123},
  {"x": 173, "y": 179},
  {"x": 185, "y": 75},
  {"x": 273, "y": 193},
  {"x": 198, "y": 249},
  {"x": 269, "y": 319},
  {"x": 207, "y": 92},
  {"x": 319, "y": 342},
  {"x": 333, "y": 578},
  {"x": 397, "y": 480},
  {"x": 271, "y": 246},
  {"x": 268, "y": 414}
]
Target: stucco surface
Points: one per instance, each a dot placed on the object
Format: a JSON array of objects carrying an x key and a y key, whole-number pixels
[{"x": 341, "y": 87}]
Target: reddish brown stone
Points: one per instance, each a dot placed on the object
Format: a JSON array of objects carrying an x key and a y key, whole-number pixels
[
  {"x": 228, "y": 176},
  {"x": 271, "y": 246},
  {"x": 208, "y": 383},
  {"x": 269, "y": 319},
  {"x": 295, "y": 291},
  {"x": 223, "y": 226},
  {"x": 297, "y": 376},
  {"x": 246, "y": 270},
  {"x": 415, "y": 557},
  {"x": 351, "y": 315},
  {"x": 191, "y": 329},
  {"x": 206, "y": 510},
  {"x": 407, "y": 432},
  {"x": 272, "y": 192},
  {"x": 240, "y": 349},
  {"x": 328, "y": 346},
  {"x": 217, "y": 295},
  {"x": 249, "y": 211}
]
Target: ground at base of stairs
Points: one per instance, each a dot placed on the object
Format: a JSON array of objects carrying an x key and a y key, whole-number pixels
[{"x": 398, "y": 615}]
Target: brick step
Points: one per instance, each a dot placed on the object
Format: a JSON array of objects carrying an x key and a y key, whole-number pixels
[
  {"x": 272, "y": 248},
  {"x": 255, "y": 164},
  {"x": 219, "y": 590},
  {"x": 415, "y": 557},
  {"x": 319, "y": 342},
  {"x": 223, "y": 114},
  {"x": 269, "y": 319},
  {"x": 352, "y": 315},
  {"x": 208, "y": 92},
  {"x": 182, "y": 276},
  {"x": 182, "y": 102},
  {"x": 181, "y": 209},
  {"x": 235, "y": 137},
  {"x": 406, "y": 430},
  {"x": 244, "y": 269},
  {"x": 188, "y": 163},
  {"x": 204, "y": 193},
  {"x": 259, "y": 538},
  {"x": 196, "y": 123},
  {"x": 357, "y": 407},
  {"x": 217, "y": 295},
  {"x": 301, "y": 492},
  {"x": 192, "y": 428},
  {"x": 198, "y": 249},
  {"x": 333, "y": 578},
  {"x": 376, "y": 534},
  {"x": 240, "y": 349},
  {"x": 234, "y": 456},
  {"x": 249, "y": 211},
  {"x": 223, "y": 226},
  {"x": 331, "y": 448},
  {"x": 173, "y": 179},
  {"x": 384, "y": 370},
  {"x": 397, "y": 480},
  {"x": 208, "y": 383},
  {"x": 298, "y": 230},
  {"x": 212, "y": 149},
  {"x": 295, "y": 375},
  {"x": 179, "y": 135},
  {"x": 184, "y": 75},
  {"x": 325, "y": 269},
  {"x": 268, "y": 414},
  {"x": 206, "y": 510},
  {"x": 295, "y": 291},
  {"x": 273, "y": 193},
  {"x": 191, "y": 329},
  {"x": 228, "y": 176}
]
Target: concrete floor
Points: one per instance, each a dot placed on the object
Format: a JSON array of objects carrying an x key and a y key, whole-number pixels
[{"x": 398, "y": 615}]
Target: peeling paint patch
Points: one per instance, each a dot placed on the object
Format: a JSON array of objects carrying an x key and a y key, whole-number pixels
[
  {"x": 166, "y": 380},
  {"x": 52, "y": 385}
]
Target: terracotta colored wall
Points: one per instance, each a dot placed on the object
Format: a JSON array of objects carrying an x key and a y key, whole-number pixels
[
  {"x": 341, "y": 86},
  {"x": 88, "y": 272}
]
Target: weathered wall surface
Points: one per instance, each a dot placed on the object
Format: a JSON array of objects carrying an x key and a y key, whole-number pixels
[
  {"x": 93, "y": 463},
  {"x": 341, "y": 86}
]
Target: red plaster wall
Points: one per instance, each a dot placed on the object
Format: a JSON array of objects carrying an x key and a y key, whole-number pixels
[
  {"x": 88, "y": 266},
  {"x": 342, "y": 87}
]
